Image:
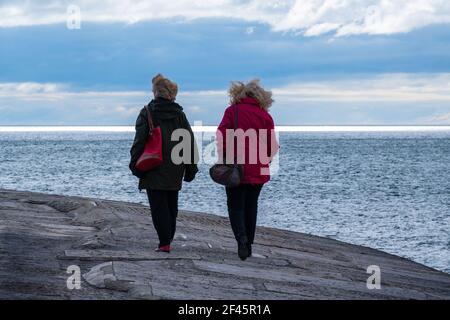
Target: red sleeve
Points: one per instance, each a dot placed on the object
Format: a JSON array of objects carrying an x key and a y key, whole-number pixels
[
  {"x": 272, "y": 143},
  {"x": 226, "y": 123}
]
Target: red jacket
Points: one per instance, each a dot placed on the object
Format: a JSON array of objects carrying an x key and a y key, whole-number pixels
[{"x": 251, "y": 116}]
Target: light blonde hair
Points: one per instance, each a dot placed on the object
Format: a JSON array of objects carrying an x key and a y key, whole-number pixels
[
  {"x": 164, "y": 88},
  {"x": 253, "y": 89}
]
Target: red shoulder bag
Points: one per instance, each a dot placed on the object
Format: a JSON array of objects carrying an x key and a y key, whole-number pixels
[{"x": 152, "y": 155}]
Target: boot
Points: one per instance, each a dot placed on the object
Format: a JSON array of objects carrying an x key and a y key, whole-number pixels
[{"x": 243, "y": 250}]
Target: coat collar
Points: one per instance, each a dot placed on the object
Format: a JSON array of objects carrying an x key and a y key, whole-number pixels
[{"x": 248, "y": 100}]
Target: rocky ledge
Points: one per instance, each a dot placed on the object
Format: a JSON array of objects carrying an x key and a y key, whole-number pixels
[{"x": 111, "y": 243}]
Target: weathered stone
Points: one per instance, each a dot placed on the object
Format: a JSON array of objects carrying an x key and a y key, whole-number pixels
[
  {"x": 112, "y": 242},
  {"x": 117, "y": 255},
  {"x": 143, "y": 292},
  {"x": 97, "y": 275}
]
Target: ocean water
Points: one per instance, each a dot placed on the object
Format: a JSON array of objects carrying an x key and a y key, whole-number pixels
[{"x": 386, "y": 190}]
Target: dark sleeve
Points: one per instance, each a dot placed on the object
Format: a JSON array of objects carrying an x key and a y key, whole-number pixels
[
  {"x": 191, "y": 168},
  {"x": 140, "y": 139}
]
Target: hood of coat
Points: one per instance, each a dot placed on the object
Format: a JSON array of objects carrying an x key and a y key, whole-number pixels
[
  {"x": 249, "y": 100},
  {"x": 165, "y": 109}
]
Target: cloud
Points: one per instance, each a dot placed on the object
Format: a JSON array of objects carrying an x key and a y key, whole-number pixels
[
  {"x": 307, "y": 17},
  {"x": 382, "y": 88},
  {"x": 443, "y": 118},
  {"x": 250, "y": 30},
  {"x": 195, "y": 109},
  {"x": 388, "y": 98},
  {"x": 385, "y": 87},
  {"x": 26, "y": 88},
  {"x": 321, "y": 28}
]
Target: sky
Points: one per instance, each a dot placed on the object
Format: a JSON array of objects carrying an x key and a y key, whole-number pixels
[{"x": 328, "y": 62}]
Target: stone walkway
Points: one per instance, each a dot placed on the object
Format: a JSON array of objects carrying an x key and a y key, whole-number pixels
[{"x": 112, "y": 243}]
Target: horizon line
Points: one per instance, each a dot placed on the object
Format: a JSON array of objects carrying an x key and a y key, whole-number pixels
[{"x": 279, "y": 128}]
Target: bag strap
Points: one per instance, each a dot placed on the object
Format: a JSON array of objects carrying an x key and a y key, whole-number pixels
[
  {"x": 149, "y": 120},
  {"x": 235, "y": 139},
  {"x": 235, "y": 117},
  {"x": 235, "y": 128}
]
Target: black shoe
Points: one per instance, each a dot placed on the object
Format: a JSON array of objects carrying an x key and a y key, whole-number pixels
[
  {"x": 243, "y": 250},
  {"x": 249, "y": 249}
]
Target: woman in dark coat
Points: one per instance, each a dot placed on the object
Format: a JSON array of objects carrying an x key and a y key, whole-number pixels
[{"x": 164, "y": 182}]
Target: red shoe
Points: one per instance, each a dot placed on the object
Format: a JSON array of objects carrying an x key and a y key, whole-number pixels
[{"x": 163, "y": 249}]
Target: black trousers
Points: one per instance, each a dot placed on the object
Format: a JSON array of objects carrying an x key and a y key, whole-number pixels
[
  {"x": 242, "y": 204},
  {"x": 164, "y": 207}
]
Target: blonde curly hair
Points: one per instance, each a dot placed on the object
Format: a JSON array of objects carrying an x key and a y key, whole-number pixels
[
  {"x": 164, "y": 88},
  {"x": 253, "y": 89}
]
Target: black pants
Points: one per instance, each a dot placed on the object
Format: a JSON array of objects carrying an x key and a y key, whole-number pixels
[
  {"x": 242, "y": 204},
  {"x": 164, "y": 207}
]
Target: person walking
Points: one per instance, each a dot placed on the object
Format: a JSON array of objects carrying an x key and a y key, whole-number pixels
[
  {"x": 164, "y": 182},
  {"x": 248, "y": 114}
]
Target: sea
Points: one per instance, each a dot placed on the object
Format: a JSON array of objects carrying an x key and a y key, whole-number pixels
[{"x": 385, "y": 187}]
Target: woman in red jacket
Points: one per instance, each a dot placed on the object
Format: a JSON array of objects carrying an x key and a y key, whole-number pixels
[{"x": 253, "y": 145}]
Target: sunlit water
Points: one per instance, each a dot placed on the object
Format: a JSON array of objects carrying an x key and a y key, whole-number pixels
[{"x": 386, "y": 190}]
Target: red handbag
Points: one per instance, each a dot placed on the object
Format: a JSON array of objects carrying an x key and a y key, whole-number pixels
[{"x": 152, "y": 155}]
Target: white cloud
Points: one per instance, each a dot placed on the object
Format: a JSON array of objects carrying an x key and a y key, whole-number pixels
[
  {"x": 443, "y": 118},
  {"x": 250, "y": 30},
  {"x": 383, "y": 99},
  {"x": 386, "y": 87},
  {"x": 195, "y": 109},
  {"x": 25, "y": 88},
  {"x": 308, "y": 17},
  {"x": 321, "y": 28}
]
